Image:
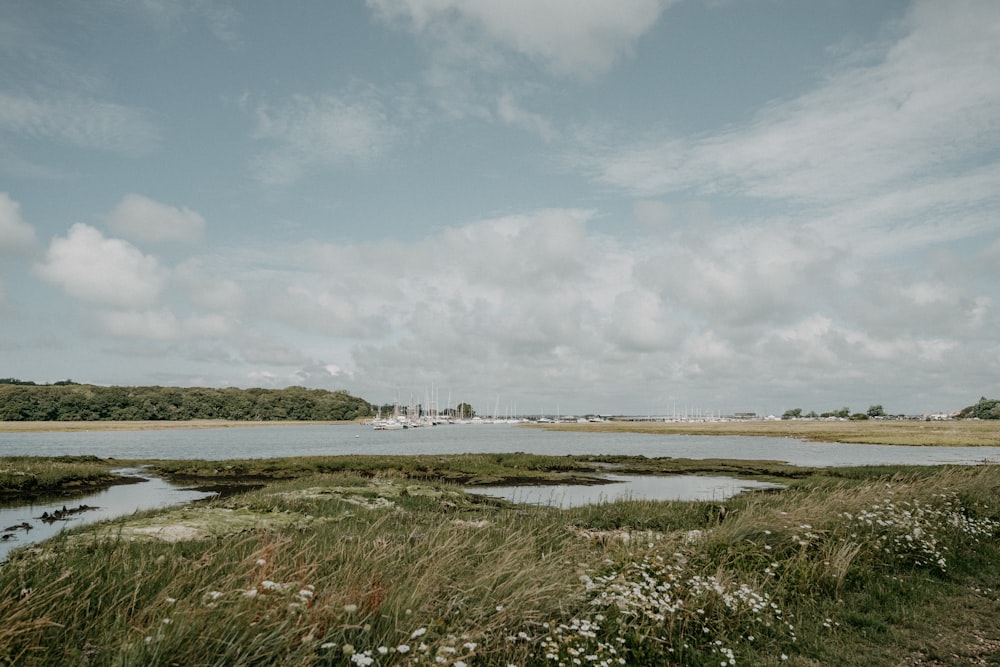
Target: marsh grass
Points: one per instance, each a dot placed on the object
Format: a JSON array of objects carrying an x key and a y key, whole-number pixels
[
  {"x": 965, "y": 432},
  {"x": 33, "y": 475},
  {"x": 378, "y": 568},
  {"x": 472, "y": 469},
  {"x": 479, "y": 469}
]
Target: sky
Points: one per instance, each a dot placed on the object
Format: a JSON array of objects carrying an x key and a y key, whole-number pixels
[{"x": 533, "y": 206}]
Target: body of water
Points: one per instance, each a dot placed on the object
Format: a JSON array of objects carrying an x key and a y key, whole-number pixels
[
  {"x": 112, "y": 502},
  {"x": 626, "y": 487},
  {"x": 332, "y": 440}
]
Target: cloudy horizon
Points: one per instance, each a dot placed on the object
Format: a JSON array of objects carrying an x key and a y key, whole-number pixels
[{"x": 636, "y": 207}]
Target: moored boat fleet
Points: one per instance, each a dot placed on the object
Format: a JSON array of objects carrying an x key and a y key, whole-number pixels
[{"x": 399, "y": 421}]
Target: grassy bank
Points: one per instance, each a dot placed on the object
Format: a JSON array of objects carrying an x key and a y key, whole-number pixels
[
  {"x": 30, "y": 476},
  {"x": 373, "y": 565},
  {"x": 970, "y": 433},
  {"x": 469, "y": 469}
]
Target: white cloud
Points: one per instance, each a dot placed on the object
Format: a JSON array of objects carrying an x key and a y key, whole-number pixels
[
  {"x": 78, "y": 121},
  {"x": 143, "y": 219},
  {"x": 580, "y": 38},
  {"x": 659, "y": 217},
  {"x": 538, "y": 306},
  {"x": 736, "y": 277},
  {"x": 158, "y": 324},
  {"x": 161, "y": 324},
  {"x": 102, "y": 271},
  {"x": 926, "y": 293},
  {"x": 329, "y": 309},
  {"x": 510, "y": 112},
  {"x": 260, "y": 349},
  {"x": 898, "y": 141},
  {"x": 217, "y": 294},
  {"x": 537, "y": 303},
  {"x": 821, "y": 344},
  {"x": 538, "y": 249},
  {"x": 323, "y": 130},
  {"x": 948, "y": 302},
  {"x": 641, "y": 322},
  {"x": 16, "y": 236}
]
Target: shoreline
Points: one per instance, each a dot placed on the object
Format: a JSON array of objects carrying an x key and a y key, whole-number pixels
[
  {"x": 64, "y": 426},
  {"x": 951, "y": 433}
]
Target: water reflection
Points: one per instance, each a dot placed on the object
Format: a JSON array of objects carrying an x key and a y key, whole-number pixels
[
  {"x": 115, "y": 501},
  {"x": 626, "y": 487}
]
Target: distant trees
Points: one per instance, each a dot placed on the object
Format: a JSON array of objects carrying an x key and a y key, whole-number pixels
[
  {"x": 60, "y": 383},
  {"x": 842, "y": 413},
  {"x": 465, "y": 411},
  {"x": 69, "y": 401},
  {"x": 986, "y": 408}
]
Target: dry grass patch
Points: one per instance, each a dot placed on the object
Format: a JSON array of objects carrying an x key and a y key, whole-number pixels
[{"x": 970, "y": 433}]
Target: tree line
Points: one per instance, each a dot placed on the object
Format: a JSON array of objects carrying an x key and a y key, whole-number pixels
[
  {"x": 841, "y": 413},
  {"x": 986, "y": 408},
  {"x": 69, "y": 401}
]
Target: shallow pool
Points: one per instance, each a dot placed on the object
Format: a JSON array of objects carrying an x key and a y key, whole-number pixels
[{"x": 626, "y": 487}]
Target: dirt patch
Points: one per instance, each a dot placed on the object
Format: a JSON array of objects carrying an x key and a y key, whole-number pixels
[
  {"x": 377, "y": 495},
  {"x": 196, "y": 523}
]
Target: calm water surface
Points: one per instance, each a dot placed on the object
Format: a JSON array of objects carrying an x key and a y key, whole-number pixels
[
  {"x": 112, "y": 502},
  {"x": 626, "y": 487},
  {"x": 326, "y": 440}
]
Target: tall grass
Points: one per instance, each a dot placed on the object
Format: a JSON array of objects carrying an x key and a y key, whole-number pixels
[
  {"x": 460, "y": 468},
  {"x": 384, "y": 571}
]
